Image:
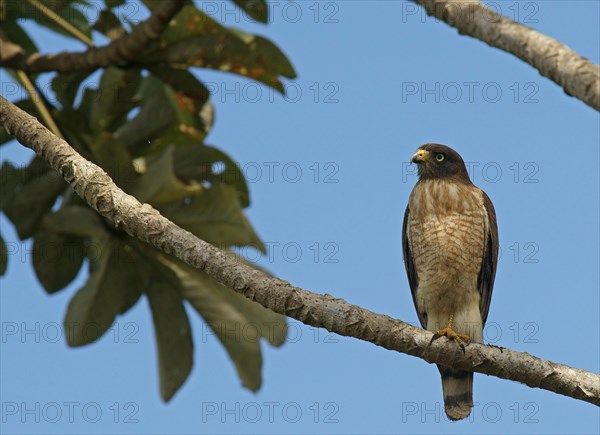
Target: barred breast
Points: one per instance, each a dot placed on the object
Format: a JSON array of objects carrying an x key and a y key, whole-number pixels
[{"x": 446, "y": 231}]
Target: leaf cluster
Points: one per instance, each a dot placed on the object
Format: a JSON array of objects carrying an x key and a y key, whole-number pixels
[{"x": 145, "y": 123}]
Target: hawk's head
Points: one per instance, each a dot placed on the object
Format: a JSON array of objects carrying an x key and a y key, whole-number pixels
[{"x": 440, "y": 162}]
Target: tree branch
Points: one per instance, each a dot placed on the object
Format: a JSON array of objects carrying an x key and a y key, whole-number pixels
[
  {"x": 124, "y": 49},
  {"x": 336, "y": 315},
  {"x": 575, "y": 74}
]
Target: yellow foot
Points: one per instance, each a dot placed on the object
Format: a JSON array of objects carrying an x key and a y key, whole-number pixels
[{"x": 452, "y": 335}]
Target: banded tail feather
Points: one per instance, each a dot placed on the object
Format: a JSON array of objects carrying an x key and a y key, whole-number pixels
[{"x": 457, "y": 388}]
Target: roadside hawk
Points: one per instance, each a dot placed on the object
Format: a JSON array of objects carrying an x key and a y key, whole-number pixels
[{"x": 450, "y": 247}]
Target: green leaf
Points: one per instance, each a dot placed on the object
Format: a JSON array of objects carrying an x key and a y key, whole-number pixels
[
  {"x": 205, "y": 163},
  {"x": 183, "y": 112},
  {"x": 114, "y": 98},
  {"x": 240, "y": 339},
  {"x": 155, "y": 115},
  {"x": 190, "y": 100},
  {"x": 192, "y": 115},
  {"x": 114, "y": 3},
  {"x": 159, "y": 184},
  {"x": 74, "y": 125},
  {"x": 15, "y": 33},
  {"x": 85, "y": 106},
  {"x": 23, "y": 10},
  {"x": 57, "y": 259},
  {"x": 114, "y": 158},
  {"x": 75, "y": 17},
  {"x": 215, "y": 215},
  {"x": 18, "y": 42},
  {"x": 66, "y": 86},
  {"x": 37, "y": 167},
  {"x": 182, "y": 80},
  {"x": 113, "y": 287},
  {"x": 34, "y": 199},
  {"x": 3, "y": 256},
  {"x": 10, "y": 179},
  {"x": 172, "y": 329},
  {"x": 256, "y": 9},
  {"x": 76, "y": 220},
  {"x": 74, "y": 122},
  {"x": 200, "y": 41}
]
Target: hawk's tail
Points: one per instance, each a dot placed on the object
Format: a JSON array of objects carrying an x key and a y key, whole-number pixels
[{"x": 458, "y": 392}]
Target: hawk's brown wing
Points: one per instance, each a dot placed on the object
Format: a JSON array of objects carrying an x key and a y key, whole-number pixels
[
  {"x": 409, "y": 263},
  {"x": 485, "y": 280}
]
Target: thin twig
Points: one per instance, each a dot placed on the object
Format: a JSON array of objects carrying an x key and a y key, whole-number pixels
[
  {"x": 38, "y": 102},
  {"x": 61, "y": 22}
]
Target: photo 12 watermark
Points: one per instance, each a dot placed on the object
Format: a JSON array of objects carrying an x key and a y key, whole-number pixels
[
  {"x": 72, "y": 412},
  {"x": 236, "y": 332},
  {"x": 497, "y": 333},
  {"x": 527, "y": 252},
  {"x": 234, "y": 91},
  {"x": 327, "y": 252},
  {"x": 91, "y": 11},
  {"x": 271, "y": 172},
  {"x": 54, "y": 332},
  {"x": 527, "y": 172},
  {"x": 291, "y": 412},
  {"x": 527, "y": 12},
  {"x": 482, "y": 412},
  {"x": 290, "y": 12},
  {"x": 469, "y": 92}
]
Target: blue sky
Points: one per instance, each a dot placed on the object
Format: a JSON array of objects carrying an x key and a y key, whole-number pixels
[{"x": 376, "y": 80}]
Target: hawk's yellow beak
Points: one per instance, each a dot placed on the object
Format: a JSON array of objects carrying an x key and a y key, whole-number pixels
[{"x": 420, "y": 156}]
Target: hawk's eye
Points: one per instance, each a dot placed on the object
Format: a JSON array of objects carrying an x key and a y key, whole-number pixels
[{"x": 440, "y": 157}]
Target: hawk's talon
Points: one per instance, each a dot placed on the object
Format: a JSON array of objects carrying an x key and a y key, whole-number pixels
[
  {"x": 451, "y": 334},
  {"x": 500, "y": 348}
]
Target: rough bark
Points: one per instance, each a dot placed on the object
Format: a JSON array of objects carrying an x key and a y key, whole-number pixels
[
  {"x": 124, "y": 49},
  {"x": 324, "y": 311},
  {"x": 575, "y": 74}
]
